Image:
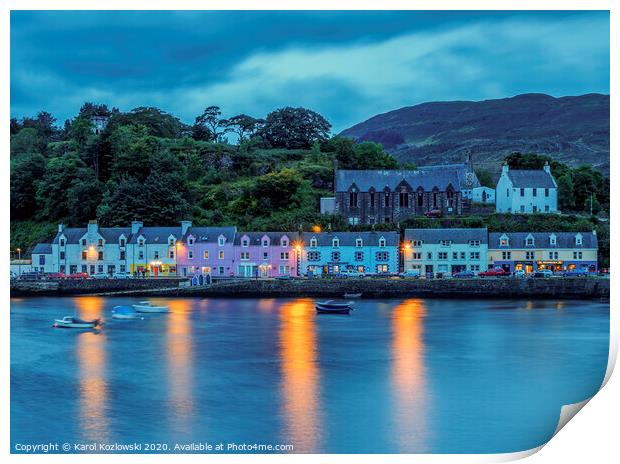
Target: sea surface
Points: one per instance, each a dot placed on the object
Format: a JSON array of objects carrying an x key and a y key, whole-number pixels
[{"x": 395, "y": 376}]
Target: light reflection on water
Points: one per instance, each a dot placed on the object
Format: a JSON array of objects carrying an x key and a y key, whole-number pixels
[{"x": 394, "y": 376}]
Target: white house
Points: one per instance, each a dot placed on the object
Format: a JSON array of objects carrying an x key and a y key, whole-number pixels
[
  {"x": 42, "y": 257},
  {"x": 484, "y": 195},
  {"x": 446, "y": 251},
  {"x": 526, "y": 191}
]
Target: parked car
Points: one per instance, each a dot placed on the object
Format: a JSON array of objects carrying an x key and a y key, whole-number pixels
[
  {"x": 346, "y": 274},
  {"x": 122, "y": 275},
  {"x": 31, "y": 275},
  {"x": 494, "y": 272},
  {"x": 78, "y": 275},
  {"x": 542, "y": 274},
  {"x": 410, "y": 273},
  {"x": 100, "y": 275},
  {"x": 433, "y": 213},
  {"x": 520, "y": 273},
  {"x": 576, "y": 273},
  {"x": 283, "y": 277},
  {"x": 464, "y": 275},
  {"x": 55, "y": 275}
]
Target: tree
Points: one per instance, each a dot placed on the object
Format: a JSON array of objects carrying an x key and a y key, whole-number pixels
[
  {"x": 209, "y": 122},
  {"x": 89, "y": 110},
  {"x": 83, "y": 197},
  {"x": 294, "y": 128},
  {"x": 27, "y": 140},
  {"x": 278, "y": 190},
  {"x": 25, "y": 171},
  {"x": 566, "y": 193},
  {"x": 485, "y": 177},
  {"x": 80, "y": 130},
  {"x": 365, "y": 155},
  {"x": 244, "y": 126},
  {"x": 158, "y": 122},
  {"x": 132, "y": 148}
]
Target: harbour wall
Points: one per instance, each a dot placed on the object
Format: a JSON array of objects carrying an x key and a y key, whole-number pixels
[{"x": 552, "y": 288}]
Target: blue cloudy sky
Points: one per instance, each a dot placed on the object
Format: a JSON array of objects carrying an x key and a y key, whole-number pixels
[{"x": 348, "y": 66}]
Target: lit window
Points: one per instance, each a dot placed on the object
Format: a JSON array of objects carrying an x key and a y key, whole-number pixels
[
  {"x": 221, "y": 255},
  {"x": 335, "y": 243},
  {"x": 205, "y": 254}
]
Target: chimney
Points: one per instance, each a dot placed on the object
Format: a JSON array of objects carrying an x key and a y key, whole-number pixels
[
  {"x": 136, "y": 226},
  {"x": 61, "y": 227},
  {"x": 92, "y": 227},
  {"x": 593, "y": 231},
  {"x": 547, "y": 168},
  {"x": 184, "y": 226},
  {"x": 505, "y": 167}
]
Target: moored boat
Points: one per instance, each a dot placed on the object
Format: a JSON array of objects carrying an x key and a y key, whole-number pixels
[
  {"x": 147, "y": 307},
  {"x": 70, "y": 322},
  {"x": 331, "y": 307},
  {"x": 352, "y": 295},
  {"x": 125, "y": 312}
]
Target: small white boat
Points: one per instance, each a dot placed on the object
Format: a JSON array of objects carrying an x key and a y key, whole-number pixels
[
  {"x": 70, "y": 322},
  {"x": 331, "y": 307},
  {"x": 147, "y": 307},
  {"x": 125, "y": 312},
  {"x": 352, "y": 295}
]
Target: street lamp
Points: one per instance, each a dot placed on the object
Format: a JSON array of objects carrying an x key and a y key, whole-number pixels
[{"x": 591, "y": 200}]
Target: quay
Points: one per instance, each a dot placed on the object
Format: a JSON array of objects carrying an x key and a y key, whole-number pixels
[{"x": 507, "y": 287}]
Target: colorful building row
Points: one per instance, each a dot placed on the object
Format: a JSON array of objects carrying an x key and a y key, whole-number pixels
[{"x": 224, "y": 252}]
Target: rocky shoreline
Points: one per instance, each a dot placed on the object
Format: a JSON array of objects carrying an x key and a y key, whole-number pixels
[{"x": 552, "y": 288}]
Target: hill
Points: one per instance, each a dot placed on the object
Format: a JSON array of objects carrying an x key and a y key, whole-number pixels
[{"x": 572, "y": 130}]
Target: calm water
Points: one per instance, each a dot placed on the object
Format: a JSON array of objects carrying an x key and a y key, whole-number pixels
[{"x": 395, "y": 376}]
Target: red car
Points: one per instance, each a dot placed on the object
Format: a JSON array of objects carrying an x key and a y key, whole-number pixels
[
  {"x": 78, "y": 275},
  {"x": 433, "y": 213},
  {"x": 55, "y": 275},
  {"x": 495, "y": 272}
]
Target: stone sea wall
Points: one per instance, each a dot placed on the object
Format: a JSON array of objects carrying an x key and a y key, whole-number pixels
[{"x": 579, "y": 288}]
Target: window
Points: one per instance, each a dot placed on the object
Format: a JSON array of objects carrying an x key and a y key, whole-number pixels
[
  {"x": 220, "y": 255},
  {"x": 62, "y": 255},
  {"x": 314, "y": 256},
  {"x": 141, "y": 242},
  {"x": 284, "y": 270},
  {"x": 353, "y": 220},
  {"x": 335, "y": 243},
  {"x": 245, "y": 242},
  {"x": 122, "y": 255},
  {"x": 382, "y": 256},
  {"x": 529, "y": 255},
  {"x": 553, "y": 255},
  {"x": 529, "y": 241},
  {"x": 372, "y": 199},
  {"x": 546, "y": 208},
  {"x": 265, "y": 243},
  {"x": 474, "y": 243},
  {"x": 100, "y": 268},
  {"x": 190, "y": 241},
  {"x": 534, "y": 192},
  {"x": 503, "y": 242},
  {"x": 455, "y": 255},
  {"x": 313, "y": 242},
  {"x": 284, "y": 255},
  {"x": 416, "y": 243},
  {"x": 358, "y": 242},
  {"x": 111, "y": 268},
  {"x": 420, "y": 199},
  {"x": 353, "y": 199},
  {"x": 474, "y": 255},
  {"x": 359, "y": 256},
  {"x": 462, "y": 255},
  {"x": 190, "y": 254},
  {"x": 84, "y": 255},
  {"x": 156, "y": 254},
  {"x": 403, "y": 199},
  {"x": 122, "y": 242},
  {"x": 435, "y": 197},
  {"x": 335, "y": 256},
  {"x": 382, "y": 269},
  {"x": 83, "y": 242},
  {"x": 141, "y": 254},
  {"x": 381, "y": 242},
  {"x": 123, "y": 268},
  {"x": 171, "y": 241},
  {"x": 221, "y": 241},
  {"x": 474, "y": 267},
  {"x": 265, "y": 255},
  {"x": 284, "y": 242},
  {"x": 245, "y": 255},
  {"x": 100, "y": 242},
  {"x": 84, "y": 268},
  {"x": 442, "y": 255},
  {"x": 578, "y": 240},
  {"x": 522, "y": 192},
  {"x": 429, "y": 255},
  {"x": 62, "y": 242},
  {"x": 171, "y": 254},
  {"x": 386, "y": 201},
  {"x": 507, "y": 192},
  {"x": 546, "y": 192},
  {"x": 205, "y": 254},
  {"x": 416, "y": 255},
  {"x": 387, "y": 219},
  {"x": 446, "y": 243},
  {"x": 506, "y": 255},
  {"x": 534, "y": 209},
  {"x": 577, "y": 254}
]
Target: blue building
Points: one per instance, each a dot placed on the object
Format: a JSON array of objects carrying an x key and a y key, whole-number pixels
[{"x": 350, "y": 252}]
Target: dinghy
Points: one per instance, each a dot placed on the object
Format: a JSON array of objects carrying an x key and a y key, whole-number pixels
[
  {"x": 352, "y": 295},
  {"x": 70, "y": 322},
  {"x": 147, "y": 307},
  {"x": 330, "y": 307},
  {"x": 125, "y": 312}
]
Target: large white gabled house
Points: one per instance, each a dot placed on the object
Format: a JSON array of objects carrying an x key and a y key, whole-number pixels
[{"x": 526, "y": 191}]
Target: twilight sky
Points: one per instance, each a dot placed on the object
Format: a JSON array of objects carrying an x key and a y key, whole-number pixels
[{"x": 348, "y": 66}]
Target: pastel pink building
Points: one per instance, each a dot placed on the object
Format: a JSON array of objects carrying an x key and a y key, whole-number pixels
[
  {"x": 206, "y": 250},
  {"x": 266, "y": 254}
]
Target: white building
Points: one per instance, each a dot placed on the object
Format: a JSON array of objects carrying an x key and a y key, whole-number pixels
[
  {"x": 526, "y": 191},
  {"x": 446, "y": 251},
  {"x": 484, "y": 195},
  {"x": 42, "y": 257}
]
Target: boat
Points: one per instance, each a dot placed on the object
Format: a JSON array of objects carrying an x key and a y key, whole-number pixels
[
  {"x": 70, "y": 322},
  {"x": 125, "y": 312},
  {"x": 147, "y": 307},
  {"x": 352, "y": 295},
  {"x": 331, "y": 307}
]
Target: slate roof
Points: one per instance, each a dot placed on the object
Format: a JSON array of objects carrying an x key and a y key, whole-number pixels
[
  {"x": 109, "y": 234},
  {"x": 348, "y": 238},
  {"x": 210, "y": 234},
  {"x": 461, "y": 170},
  {"x": 274, "y": 237},
  {"x": 380, "y": 179},
  {"x": 154, "y": 235},
  {"x": 42, "y": 249},
  {"x": 73, "y": 234},
  {"x": 531, "y": 178},
  {"x": 455, "y": 235},
  {"x": 542, "y": 240},
  {"x": 112, "y": 234}
]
